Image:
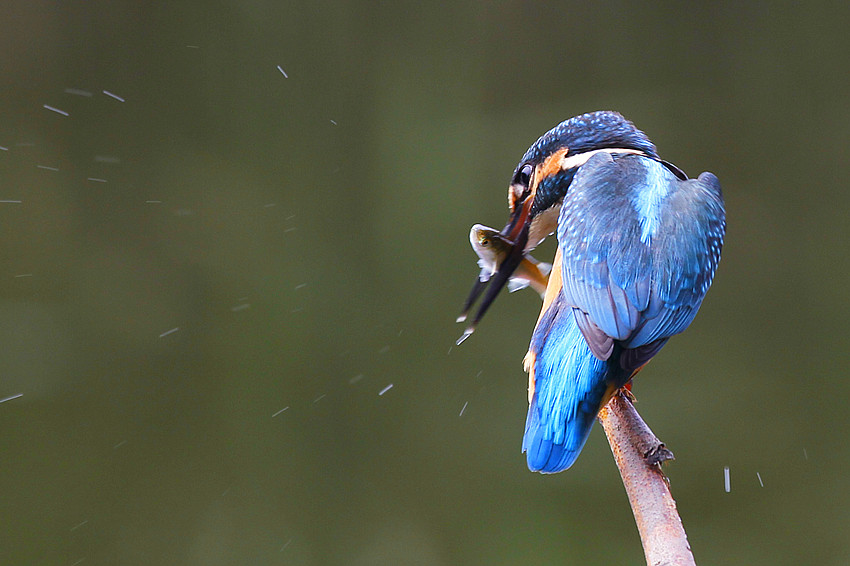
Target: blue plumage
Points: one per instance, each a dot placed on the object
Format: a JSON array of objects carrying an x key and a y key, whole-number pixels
[
  {"x": 638, "y": 245},
  {"x": 569, "y": 386},
  {"x": 594, "y": 130},
  {"x": 640, "y": 271}
]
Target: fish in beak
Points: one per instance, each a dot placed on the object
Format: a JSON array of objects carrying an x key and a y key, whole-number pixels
[{"x": 499, "y": 267}]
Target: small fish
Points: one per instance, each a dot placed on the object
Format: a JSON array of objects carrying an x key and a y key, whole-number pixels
[{"x": 493, "y": 250}]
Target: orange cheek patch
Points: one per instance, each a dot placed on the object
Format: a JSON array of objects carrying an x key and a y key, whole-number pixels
[{"x": 553, "y": 164}]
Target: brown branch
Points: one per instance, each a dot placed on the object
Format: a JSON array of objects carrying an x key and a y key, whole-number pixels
[{"x": 639, "y": 455}]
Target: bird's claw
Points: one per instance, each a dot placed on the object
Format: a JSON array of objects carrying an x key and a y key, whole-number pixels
[{"x": 658, "y": 455}]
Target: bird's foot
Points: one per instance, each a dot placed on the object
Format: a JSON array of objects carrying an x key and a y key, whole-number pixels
[{"x": 658, "y": 455}]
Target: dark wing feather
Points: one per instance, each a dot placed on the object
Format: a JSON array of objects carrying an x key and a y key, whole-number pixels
[
  {"x": 601, "y": 345},
  {"x": 639, "y": 247}
]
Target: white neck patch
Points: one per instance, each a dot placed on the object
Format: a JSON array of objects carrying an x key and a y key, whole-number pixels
[{"x": 581, "y": 158}]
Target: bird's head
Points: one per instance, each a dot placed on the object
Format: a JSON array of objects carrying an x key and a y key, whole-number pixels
[
  {"x": 544, "y": 174},
  {"x": 543, "y": 177}
]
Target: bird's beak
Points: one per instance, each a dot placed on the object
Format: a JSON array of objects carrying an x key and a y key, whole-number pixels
[
  {"x": 517, "y": 232},
  {"x": 519, "y": 222}
]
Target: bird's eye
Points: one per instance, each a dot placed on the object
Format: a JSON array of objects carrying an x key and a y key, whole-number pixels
[
  {"x": 484, "y": 242},
  {"x": 523, "y": 176}
]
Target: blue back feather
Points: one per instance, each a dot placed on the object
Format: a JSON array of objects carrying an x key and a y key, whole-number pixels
[{"x": 639, "y": 245}]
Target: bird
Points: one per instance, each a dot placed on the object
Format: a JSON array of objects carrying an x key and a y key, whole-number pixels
[{"x": 638, "y": 244}]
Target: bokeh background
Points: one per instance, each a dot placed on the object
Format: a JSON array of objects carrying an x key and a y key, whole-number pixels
[{"x": 228, "y": 289}]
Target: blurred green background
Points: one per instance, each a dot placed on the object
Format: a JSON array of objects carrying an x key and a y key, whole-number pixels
[{"x": 206, "y": 287}]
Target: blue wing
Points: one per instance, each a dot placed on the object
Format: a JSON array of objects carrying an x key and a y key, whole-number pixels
[
  {"x": 637, "y": 250},
  {"x": 640, "y": 247}
]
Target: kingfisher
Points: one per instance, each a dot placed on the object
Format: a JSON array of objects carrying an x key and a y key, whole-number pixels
[{"x": 638, "y": 246}]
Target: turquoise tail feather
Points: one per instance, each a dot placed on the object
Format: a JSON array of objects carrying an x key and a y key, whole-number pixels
[{"x": 570, "y": 385}]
